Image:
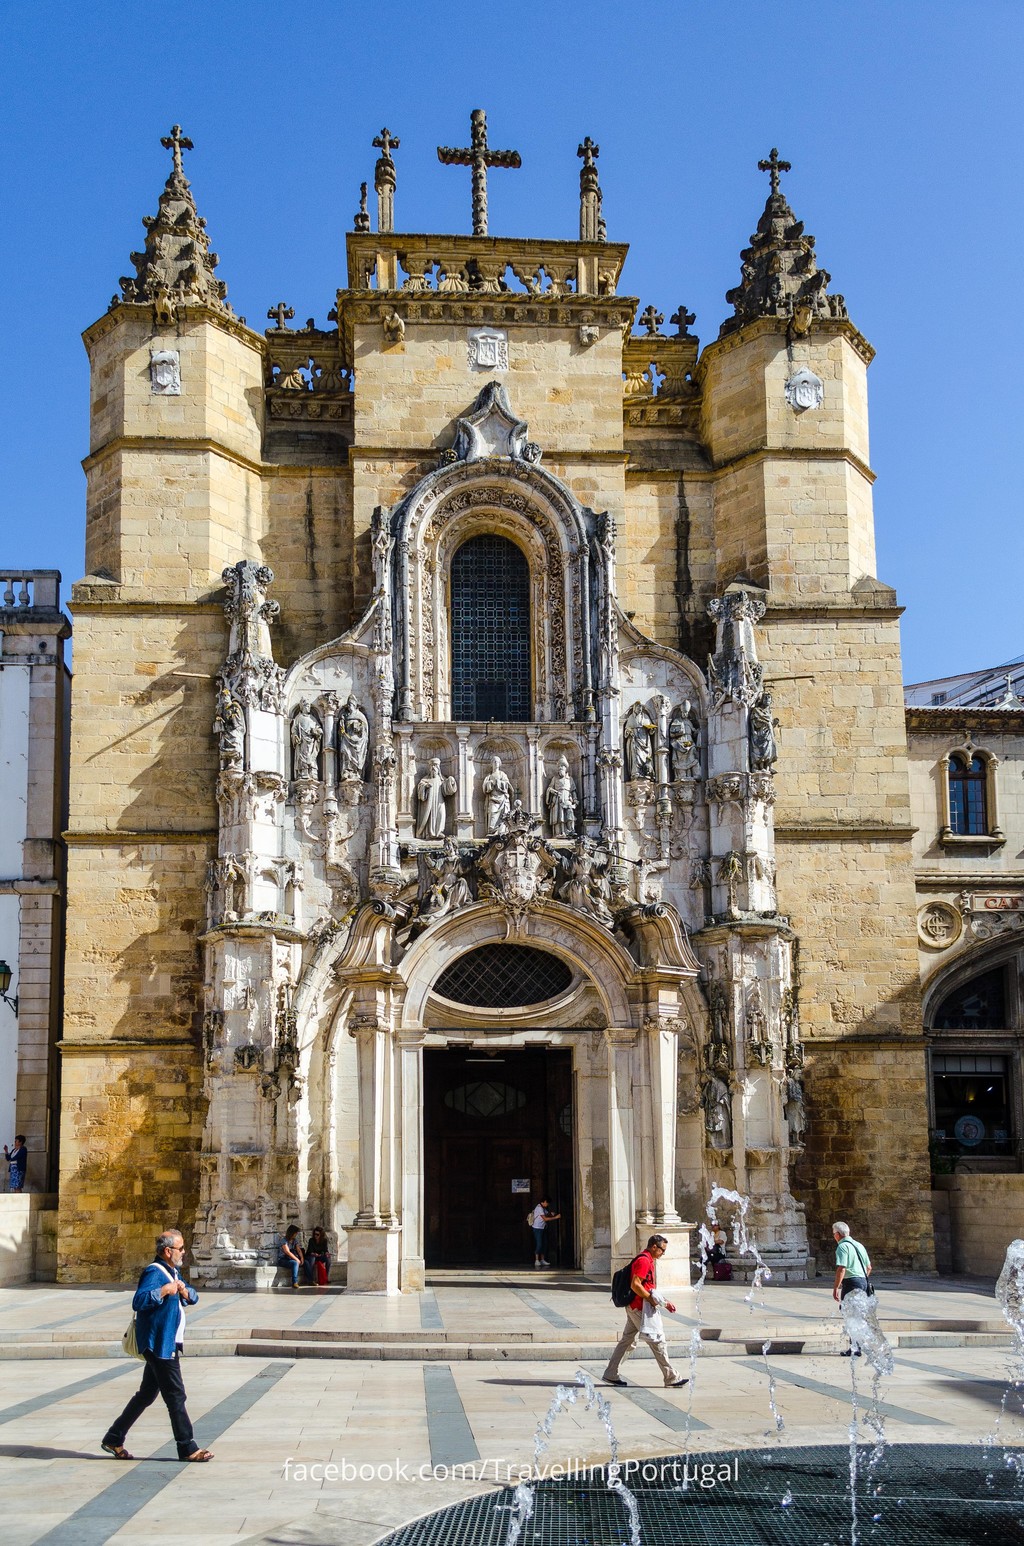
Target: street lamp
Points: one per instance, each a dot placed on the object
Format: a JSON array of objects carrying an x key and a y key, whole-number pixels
[{"x": 5, "y": 982}]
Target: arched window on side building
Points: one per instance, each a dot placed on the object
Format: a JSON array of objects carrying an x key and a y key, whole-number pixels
[{"x": 968, "y": 802}]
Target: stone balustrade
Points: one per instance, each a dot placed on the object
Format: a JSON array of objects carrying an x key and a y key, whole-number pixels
[
  {"x": 24, "y": 590},
  {"x": 483, "y": 265}
]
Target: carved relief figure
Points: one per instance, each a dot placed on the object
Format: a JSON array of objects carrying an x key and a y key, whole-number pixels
[
  {"x": 717, "y": 1113},
  {"x": 763, "y": 748},
  {"x": 587, "y": 887},
  {"x": 560, "y": 800},
  {"x": 498, "y": 795},
  {"x": 796, "y": 1119},
  {"x": 431, "y": 793},
  {"x": 229, "y": 725},
  {"x": 449, "y": 888},
  {"x": 639, "y": 733},
  {"x": 684, "y": 743},
  {"x": 353, "y": 742},
  {"x": 307, "y": 738}
]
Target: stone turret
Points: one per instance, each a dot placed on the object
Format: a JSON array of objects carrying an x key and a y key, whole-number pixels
[
  {"x": 781, "y": 277},
  {"x": 176, "y": 267}
]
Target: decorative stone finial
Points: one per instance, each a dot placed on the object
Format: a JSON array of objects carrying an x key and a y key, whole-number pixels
[
  {"x": 652, "y": 320},
  {"x": 781, "y": 277},
  {"x": 177, "y": 265},
  {"x": 681, "y": 320},
  {"x": 479, "y": 156},
  {"x": 362, "y": 220},
  {"x": 385, "y": 180},
  {"x": 592, "y": 226},
  {"x": 280, "y": 315}
]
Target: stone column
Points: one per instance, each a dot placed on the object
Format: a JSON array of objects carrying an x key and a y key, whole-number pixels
[
  {"x": 409, "y": 1057},
  {"x": 373, "y": 1235},
  {"x": 621, "y": 1043},
  {"x": 663, "y": 1057}
]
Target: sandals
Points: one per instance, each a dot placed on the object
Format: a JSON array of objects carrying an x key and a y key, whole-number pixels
[
  {"x": 117, "y": 1450},
  {"x": 200, "y": 1455}
]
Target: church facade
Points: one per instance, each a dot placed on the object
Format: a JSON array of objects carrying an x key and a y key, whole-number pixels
[{"x": 489, "y": 765}]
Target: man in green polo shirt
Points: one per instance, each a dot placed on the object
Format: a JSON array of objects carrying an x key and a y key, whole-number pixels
[{"x": 853, "y": 1268}]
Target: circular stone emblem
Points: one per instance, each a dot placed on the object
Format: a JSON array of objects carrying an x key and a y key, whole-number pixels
[{"x": 939, "y": 925}]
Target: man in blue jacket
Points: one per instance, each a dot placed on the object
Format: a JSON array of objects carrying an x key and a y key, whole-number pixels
[{"x": 159, "y": 1306}]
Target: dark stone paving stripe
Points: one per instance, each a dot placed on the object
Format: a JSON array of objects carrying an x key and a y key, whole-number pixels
[
  {"x": 50, "y": 1398},
  {"x": 96, "y": 1521},
  {"x": 430, "y": 1312},
  {"x": 83, "y": 1315},
  {"x": 837, "y": 1393},
  {"x": 663, "y": 1411},
  {"x": 448, "y": 1431},
  {"x": 540, "y": 1308},
  {"x": 312, "y": 1315}
]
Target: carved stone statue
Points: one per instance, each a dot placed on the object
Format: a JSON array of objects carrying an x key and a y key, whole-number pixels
[
  {"x": 229, "y": 725},
  {"x": 431, "y": 793},
  {"x": 353, "y": 742},
  {"x": 796, "y": 1119},
  {"x": 449, "y": 889},
  {"x": 307, "y": 738},
  {"x": 586, "y": 887},
  {"x": 498, "y": 794},
  {"x": 516, "y": 867},
  {"x": 560, "y": 800},
  {"x": 717, "y": 1113},
  {"x": 763, "y": 748},
  {"x": 639, "y": 732},
  {"x": 684, "y": 743}
]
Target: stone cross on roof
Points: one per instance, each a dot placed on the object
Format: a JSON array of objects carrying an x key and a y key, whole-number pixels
[
  {"x": 282, "y": 314},
  {"x": 385, "y": 180},
  {"x": 479, "y": 156},
  {"x": 652, "y": 320},
  {"x": 177, "y": 142},
  {"x": 386, "y": 141},
  {"x": 774, "y": 166},
  {"x": 589, "y": 151}
]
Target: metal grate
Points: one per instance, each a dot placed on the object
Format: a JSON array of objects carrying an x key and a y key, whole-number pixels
[
  {"x": 490, "y": 631},
  {"x": 503, "y": 977},
  {"x": 928, "y": 1495}
]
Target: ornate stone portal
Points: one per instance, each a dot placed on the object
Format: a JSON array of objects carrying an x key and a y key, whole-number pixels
[{"x": 330, "y": 919}]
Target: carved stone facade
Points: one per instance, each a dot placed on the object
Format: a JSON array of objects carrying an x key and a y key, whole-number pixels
[{"x": 672, "y": 821}]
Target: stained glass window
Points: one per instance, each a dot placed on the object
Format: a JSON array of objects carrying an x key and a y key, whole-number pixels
[{"x": 490, "y": 613}]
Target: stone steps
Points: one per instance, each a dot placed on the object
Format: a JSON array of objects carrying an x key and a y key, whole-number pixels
[{"x": 554, "y": 1346}]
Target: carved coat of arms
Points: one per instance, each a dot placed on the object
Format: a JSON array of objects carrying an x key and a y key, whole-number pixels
[{"x": 517, "y": 867}]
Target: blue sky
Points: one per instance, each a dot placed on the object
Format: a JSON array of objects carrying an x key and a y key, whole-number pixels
[{"x": 901, "y": 119}]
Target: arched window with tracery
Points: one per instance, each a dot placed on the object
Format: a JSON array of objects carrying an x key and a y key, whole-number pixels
[
  {"x": 968, "y": 803},
  {"x": 490, "y": 623}
]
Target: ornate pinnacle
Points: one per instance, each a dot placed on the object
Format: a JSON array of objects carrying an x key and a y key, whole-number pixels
[
  {"x": 385, "y": 180},
  {"x": 591, "y": 220},
  {"x": 774, "y": 166},
  {"x": 177, "y": 266},
  {"x": 479, "y": 156},
  {"x": 362, "y": 220},
  {"x": 177, "y": 142}
]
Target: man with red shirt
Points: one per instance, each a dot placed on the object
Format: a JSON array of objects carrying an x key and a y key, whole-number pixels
[{"x": 645, "y": 1302}]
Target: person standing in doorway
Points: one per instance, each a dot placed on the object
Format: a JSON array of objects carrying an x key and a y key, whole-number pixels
[
  {"x": 17, "y": 1162},
  {"x": 643, "y": 1316},
  {"x": 538, "y": 1221},
  {"x": 853, "y": 1269},
  {"x": 159, "y": 1306}
]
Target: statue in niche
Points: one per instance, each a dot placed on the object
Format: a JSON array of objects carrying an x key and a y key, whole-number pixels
[
  {"x": 717, "y": 1113},
  {"x": 684, "y": 743},
  {"x": 431, "y": 793},
  {"x": 307, "y": 738},
  {"x": 763, "y": 748},
  {"x": 639, "y": 732},
  {"x": 449, "y": 888},
  {"x": 586, "y": 887},
  {"x": 560, "y": 800},
  {"x": 796, "y": 1119},
  {"x": 229, "y": 725},
  {"x": 353, "y": 742},
  {"x": 498, "y": 795}
]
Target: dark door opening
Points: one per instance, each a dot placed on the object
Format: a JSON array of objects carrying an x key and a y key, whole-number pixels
[{"x": 489, "y": 1125}]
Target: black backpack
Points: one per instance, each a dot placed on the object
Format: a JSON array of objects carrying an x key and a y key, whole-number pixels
[{"x": 622, "y": 1286}]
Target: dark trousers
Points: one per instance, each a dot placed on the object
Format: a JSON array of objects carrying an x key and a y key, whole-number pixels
[{"x": 162, "y": 1377}]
